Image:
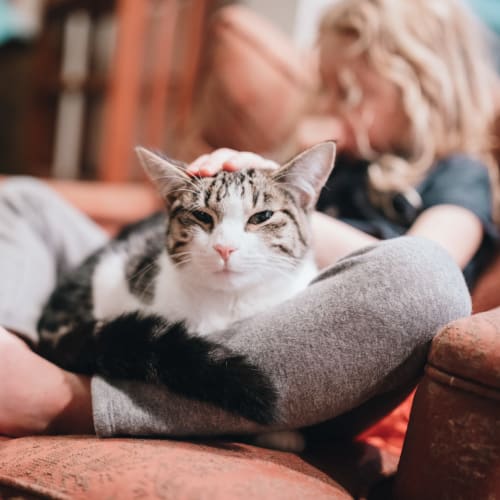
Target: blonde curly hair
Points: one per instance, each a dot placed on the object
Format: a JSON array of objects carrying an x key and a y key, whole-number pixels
[{"x": 435, "y": 52}]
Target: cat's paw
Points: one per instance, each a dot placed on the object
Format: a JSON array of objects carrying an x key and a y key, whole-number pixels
[{"x": 292, "y": 441}]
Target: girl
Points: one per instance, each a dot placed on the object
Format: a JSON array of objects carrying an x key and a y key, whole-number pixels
[
  {"x": 412, "y": 98},
  {"x": 412, "y": 105}
]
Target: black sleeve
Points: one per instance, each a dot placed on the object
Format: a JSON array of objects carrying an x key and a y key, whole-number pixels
[{"x": 463, "y": 181}]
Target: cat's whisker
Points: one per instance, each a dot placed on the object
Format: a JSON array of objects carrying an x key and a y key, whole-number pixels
[
  {"x": 181, "y": 263},
  {"x": 142, "y": 271},
  {"x": 186, "y": 252},
  {"x": 196, "y": 183},
  {"x": 144, "y": 293},
  {"x": 291, "y": 261},
  {"x": 282, "y": 268},
  {"x": 175, "y": 177},
  {"x": 290, "y": 185},
  {"x": 283, "y": 272},
  {"x": 195, "y": 188},
  {"x": 289, "y": 174},
  {"x": 186, "y": 190},
  {"x": 191, "y": 253},
  {"x": 278, "y": 265}
]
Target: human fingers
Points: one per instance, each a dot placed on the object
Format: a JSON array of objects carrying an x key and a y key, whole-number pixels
[
  {"x": 209, "y": 164},
  {"x": 245, "y": 160},
  {"x": 195, "y": 165}
]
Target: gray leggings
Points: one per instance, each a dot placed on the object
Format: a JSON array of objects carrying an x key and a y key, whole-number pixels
[{"x": 341, "y": 353}]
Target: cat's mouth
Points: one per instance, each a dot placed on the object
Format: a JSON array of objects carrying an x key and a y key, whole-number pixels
[{"x": 227, "y": 272}]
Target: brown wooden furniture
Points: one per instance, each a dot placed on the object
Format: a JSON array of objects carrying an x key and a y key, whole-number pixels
[
  {"x": 125, "y": 102},
  {"x": 92, "y": 104}
]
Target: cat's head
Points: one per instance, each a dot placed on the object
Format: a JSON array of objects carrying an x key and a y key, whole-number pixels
[{"x": 238, "y": 229}]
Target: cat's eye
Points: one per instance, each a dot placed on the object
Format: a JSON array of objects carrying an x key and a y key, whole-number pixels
[
  {"x": 260, "y": 217},
  {"x": 202, "y": 216}
]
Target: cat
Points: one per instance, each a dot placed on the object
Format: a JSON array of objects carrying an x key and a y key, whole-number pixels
[{"x": 233, "y": 245}]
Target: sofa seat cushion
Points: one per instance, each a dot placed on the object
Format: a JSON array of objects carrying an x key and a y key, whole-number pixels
[{"x": 91, "y": 468}]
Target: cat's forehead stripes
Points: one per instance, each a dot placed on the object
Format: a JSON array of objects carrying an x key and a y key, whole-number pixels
[
  {"x": 250, "y": 187},
  {"x": 244, "y": 192}
]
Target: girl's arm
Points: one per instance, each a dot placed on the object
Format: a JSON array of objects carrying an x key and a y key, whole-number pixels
[
  {"x": 334, "y": 239},
  {"x": 456, "y": 229}
]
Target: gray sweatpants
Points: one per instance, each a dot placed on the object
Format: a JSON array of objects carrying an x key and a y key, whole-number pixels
[{"x": 341, "y": 353}]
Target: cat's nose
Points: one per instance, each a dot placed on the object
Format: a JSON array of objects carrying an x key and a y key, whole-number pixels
[{"x": 224, "y": 251}]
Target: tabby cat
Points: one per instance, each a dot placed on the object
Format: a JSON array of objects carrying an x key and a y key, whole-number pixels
[{"x": 147, "y": 304}]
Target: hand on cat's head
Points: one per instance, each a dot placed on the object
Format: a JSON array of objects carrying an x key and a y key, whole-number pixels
[
  {"x": 229, "y": 160},
  {"x": 304, "y": 175}
]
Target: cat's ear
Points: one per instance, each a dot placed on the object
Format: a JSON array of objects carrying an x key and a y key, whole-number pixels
[
  {"x": 166, "y": 174},
  {"x": 308, "y": 172}
]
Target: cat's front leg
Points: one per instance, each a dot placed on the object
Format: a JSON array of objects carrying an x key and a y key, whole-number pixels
[{"x": 71, "y": 346}]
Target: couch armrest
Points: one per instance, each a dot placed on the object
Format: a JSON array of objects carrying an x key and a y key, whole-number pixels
[
  {"x": 452, "y": 447},
  {"x": 469, "y": 349}
]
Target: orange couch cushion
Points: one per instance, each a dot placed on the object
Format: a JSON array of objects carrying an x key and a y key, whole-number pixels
[{"x": 89, "y": 468}]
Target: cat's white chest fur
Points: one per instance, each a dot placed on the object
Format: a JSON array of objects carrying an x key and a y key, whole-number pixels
[
  {"x": 110, "y": 293},
  {"x": 205, "y": 310},
  {"x": 202, "y": 309}
]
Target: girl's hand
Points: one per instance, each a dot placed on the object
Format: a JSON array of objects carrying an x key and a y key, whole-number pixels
[
  {"x": 229, "y": 160},
  {"x": 37, "y": 397}
]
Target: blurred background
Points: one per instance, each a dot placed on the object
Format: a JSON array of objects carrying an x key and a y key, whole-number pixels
[{"x": 83, "y": 81}]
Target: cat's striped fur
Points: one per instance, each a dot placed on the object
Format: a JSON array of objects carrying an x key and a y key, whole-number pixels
[{"x": 148, "y": 305}]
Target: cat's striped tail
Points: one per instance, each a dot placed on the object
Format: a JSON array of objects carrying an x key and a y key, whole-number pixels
[{"x": 150, "y": 349}]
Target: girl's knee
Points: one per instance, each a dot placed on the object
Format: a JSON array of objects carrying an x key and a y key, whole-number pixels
[
  {"x": 427, "y": 268},
  {"x": 421, "y": 258},
  {"x": 412, "y": 274}
]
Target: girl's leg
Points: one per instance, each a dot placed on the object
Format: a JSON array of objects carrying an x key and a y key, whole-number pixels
[
  {"x": 40, "y": 236},
  {"x": 357, "y": 337}
]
